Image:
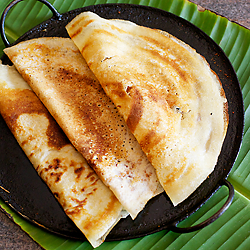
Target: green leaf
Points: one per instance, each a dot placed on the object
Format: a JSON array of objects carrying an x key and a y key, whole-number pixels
[{"x": 231, "y": 230}]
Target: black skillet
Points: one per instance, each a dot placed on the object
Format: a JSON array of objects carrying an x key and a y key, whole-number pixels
[{"x": 22, "y": 188}]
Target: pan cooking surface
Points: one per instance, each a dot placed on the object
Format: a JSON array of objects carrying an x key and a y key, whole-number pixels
[{"x": 23, "y": 189}]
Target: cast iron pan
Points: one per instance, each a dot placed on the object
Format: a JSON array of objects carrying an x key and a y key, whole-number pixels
[{"x": 22, "y": 188}]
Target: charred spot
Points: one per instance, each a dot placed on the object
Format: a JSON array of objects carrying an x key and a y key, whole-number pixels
[
  {"x": 37, "y": 168},
  {"x": 77, "y": 209},
  {"x": 90, "y": 174},
  {"x": 79, "y": 171},
  {"x": 148, "y": 175},
  {"x": 79, "y": 202},
  {"x": 94, "y": 182},
  {"x": 56, "y": 194},
  {"x": 92, "y": 178},
  {"x": 30, "y": 138},
  {"x": 48, "y": 168},
  {"x": 106, "y": 58},
  {"x": 128, "y": 89},
  {"x": 57, "y": 176},
  {"x": 56, "y": 163}
]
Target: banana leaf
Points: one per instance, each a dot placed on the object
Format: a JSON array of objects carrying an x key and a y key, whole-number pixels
[{"x": 232, "y": 229}]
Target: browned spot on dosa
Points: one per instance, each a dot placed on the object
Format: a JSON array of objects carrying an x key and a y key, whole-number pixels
[
  {"x": 26, "y": 102},
  {"x": 136, "y": 110}
]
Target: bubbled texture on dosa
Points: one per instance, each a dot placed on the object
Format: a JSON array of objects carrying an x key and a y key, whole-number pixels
[{"x": 57, "y": 72}]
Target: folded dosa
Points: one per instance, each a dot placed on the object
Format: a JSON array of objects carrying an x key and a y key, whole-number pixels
[
  {"x": 83, "y": 196},
  {"x": 59, "y": 75},
  {"x": 171, "y": 100}
]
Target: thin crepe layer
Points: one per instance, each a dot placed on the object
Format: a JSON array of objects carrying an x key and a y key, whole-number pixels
[
  {"x": 171, "y": 100},
  {"x": 57, "y": 72},
  {"x": 83, "y": 196}
]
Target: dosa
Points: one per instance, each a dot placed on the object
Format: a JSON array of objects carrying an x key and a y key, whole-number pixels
[
  {"x": 171, "y": 100},
  {"x": 59, "y": 75},
  {"x": 83, "y": 196}
]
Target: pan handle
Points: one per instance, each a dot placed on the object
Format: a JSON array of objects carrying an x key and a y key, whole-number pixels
[
  {"x": 214, "y": 217},
  {"x": 56, "y": 15}
]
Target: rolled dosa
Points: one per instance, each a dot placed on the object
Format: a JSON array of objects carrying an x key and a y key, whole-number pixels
[
  {"x": 59, "y": 75},
  {"x": 171, "y": 100},
  {"x": 83, "y": 196}
]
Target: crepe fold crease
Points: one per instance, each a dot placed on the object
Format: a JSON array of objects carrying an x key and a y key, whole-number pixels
[
  {"x": 61, "y": 78},
  {"x": 83, "y": 196},
  {"x": 171, "y": 100}
]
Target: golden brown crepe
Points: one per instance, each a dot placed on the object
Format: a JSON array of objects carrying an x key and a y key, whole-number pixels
[
  {"x": 171, "y": 100},
  {"x": 83, "y": 196},
  {"x": 57, "y": 72}
]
